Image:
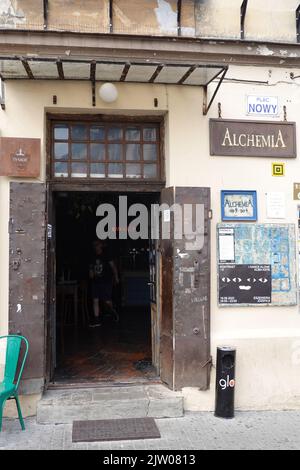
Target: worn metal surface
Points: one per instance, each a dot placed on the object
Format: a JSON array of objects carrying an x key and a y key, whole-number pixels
[
  {"x": 50, "y": 313},
  {"x": 167, "y": 328},
  {"x": 185, "y": 324},
  {"x": 101, "y": 47},
  {"x": 192, "y": 295},
  {"x": 252, "y": 138},
  {"x": 115, "y": 430},
  {"x": 20, "y": 157},
  {"x": 26, "y": 275}
]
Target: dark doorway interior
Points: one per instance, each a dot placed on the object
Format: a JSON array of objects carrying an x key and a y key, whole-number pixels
[{"x": 120, "y": 349}]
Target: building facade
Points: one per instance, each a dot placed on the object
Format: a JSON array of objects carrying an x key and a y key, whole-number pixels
[{"x": 166, "y": 60}]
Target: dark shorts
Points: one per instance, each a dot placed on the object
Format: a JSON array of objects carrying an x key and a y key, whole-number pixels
[{"x": 102, "y": 290}]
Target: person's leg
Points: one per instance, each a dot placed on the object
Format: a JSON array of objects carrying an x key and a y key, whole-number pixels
[
  {"x": 96, "y": 308},
  {"x": 112, "y": 310}
]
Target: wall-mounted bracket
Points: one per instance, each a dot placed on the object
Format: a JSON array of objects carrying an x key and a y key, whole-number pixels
[
  {"x": 206, "y": 106},
  {"x": 298, "y": 23},
  {"x": 45, "y": 13},
  {"x": 111, "y": 14},
  {"x": 93, "y": 82},
  {"x": 2, "y": 96},
  {"x": 243, "y": 16},
  {"x": 284, "y": 113},
  {"x": 179, "y": 11}
]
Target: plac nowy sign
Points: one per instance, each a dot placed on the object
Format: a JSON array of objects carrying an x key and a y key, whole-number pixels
[{"x": 262, "y": 105}]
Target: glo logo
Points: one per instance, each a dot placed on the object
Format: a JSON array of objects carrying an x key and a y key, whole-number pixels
[{"x": 226, "y": 383}]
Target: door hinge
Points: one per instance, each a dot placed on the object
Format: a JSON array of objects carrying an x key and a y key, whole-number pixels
[{"x": 210, "y": 214}]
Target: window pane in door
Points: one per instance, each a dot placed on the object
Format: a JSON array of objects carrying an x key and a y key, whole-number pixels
[
  {"x": 61, "y": 170},
  {"x": 115, "y": 152},
  {"x": 79, "y": 151},
  {"x": 61, "y": 151},
  {"x": 133, "y": 152},
  {"x": 150, "y": 171},
  {"x": 97, "y": 133},
  {"x": 133, "y": 170},
  {"x": 97, "y": 170},
  {"x": 79, "y": 132},
  {"x": 61, "y": 132},
  {"x": 150, "y": 152},
  {"x": 97, "y": 152},
  {"x": 150, "y": 133},
  {"x": 115, "y": 133},
  {"x": 133, "y": 133},
  {"x": 79, "y": 170},
  {"x": 115, "y": 170}
]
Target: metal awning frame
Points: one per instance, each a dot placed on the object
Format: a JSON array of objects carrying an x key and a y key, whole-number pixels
[
  {"x": 206, "y": 107},
  {"x": 297, "y": 13},
  {"x": 125, "y": 65},
  {"x": 243, "y": 17}
]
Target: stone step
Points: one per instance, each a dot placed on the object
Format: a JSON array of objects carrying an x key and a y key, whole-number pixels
[{"x": 66, "y": 406}]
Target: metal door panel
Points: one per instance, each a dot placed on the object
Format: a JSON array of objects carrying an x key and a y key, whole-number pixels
[
  {"x": 166, "y": 339},
  {"x": 192, "y": 298},
  {"x": 27, "y": 275},
  {"x": 185, "y": 323}
]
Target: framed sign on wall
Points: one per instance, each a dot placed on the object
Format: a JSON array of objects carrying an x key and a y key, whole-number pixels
[
  {"x": 20, "y": 157},
  {"x": 238, "y": 205},
  {"x": 256, "y": 264}
]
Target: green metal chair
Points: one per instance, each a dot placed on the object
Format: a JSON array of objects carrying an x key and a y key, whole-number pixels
[{"x": 10, "y": 384}]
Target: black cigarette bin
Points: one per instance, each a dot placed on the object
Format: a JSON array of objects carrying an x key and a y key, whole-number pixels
[{"x": 225, "y": 382}]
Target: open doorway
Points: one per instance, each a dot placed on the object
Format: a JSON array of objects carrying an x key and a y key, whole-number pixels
[{"x": 120, "y": 350}]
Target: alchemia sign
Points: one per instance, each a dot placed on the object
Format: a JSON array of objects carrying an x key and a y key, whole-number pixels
[{"x": 252, "y": 138}]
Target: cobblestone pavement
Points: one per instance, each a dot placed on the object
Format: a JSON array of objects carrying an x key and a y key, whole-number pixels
[{"x": 249, "y": 430}]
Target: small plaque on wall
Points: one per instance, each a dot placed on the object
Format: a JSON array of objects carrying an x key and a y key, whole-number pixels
[
  {"x": 20, "y": 157},
  {"x": 238, "y": 205}
]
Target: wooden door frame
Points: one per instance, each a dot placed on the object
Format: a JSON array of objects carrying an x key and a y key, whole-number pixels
[
  {"x": 108, "y": 187},
  {"x": 103, "y": 185}
]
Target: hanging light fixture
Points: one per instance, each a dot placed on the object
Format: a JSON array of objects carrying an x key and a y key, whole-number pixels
[{"x": 108, "y": 92}]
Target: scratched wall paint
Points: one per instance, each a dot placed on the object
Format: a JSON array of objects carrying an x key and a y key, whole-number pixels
[
  {"x": 26, "y": 14},
  {"x": 271, "y": 20},
  {"x": 265, "y": 21},
  {"x": 216, "y": 18},
  {"x": 155, "y": 17},
  {"x": 70, "y": 15},
  {"x": 269, "y": 244}
]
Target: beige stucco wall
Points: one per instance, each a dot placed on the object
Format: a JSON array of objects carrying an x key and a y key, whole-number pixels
[{"x": 267, "y": 339}]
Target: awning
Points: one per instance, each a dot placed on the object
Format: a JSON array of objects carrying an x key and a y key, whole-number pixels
[{"x": 191, "y": 74}]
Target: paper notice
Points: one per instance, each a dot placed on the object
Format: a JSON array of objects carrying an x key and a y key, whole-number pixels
[
  {"x": 276, "y": 205},
  {"x": 226, "y": 245}
]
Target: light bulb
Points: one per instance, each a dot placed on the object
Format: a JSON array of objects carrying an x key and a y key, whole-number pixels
[{"x": 108, "y": 92}]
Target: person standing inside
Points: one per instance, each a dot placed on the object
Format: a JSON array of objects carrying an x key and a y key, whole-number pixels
[{"x": 102, "y": 272}]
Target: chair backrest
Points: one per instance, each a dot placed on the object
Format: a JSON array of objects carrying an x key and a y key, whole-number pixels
[{"x": 13, "y": 348}]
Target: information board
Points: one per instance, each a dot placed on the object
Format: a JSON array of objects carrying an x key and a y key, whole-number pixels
[{"x": 260, "y": 266}]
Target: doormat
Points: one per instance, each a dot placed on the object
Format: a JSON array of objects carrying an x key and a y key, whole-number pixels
[{"x": 115, "y": 430}]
